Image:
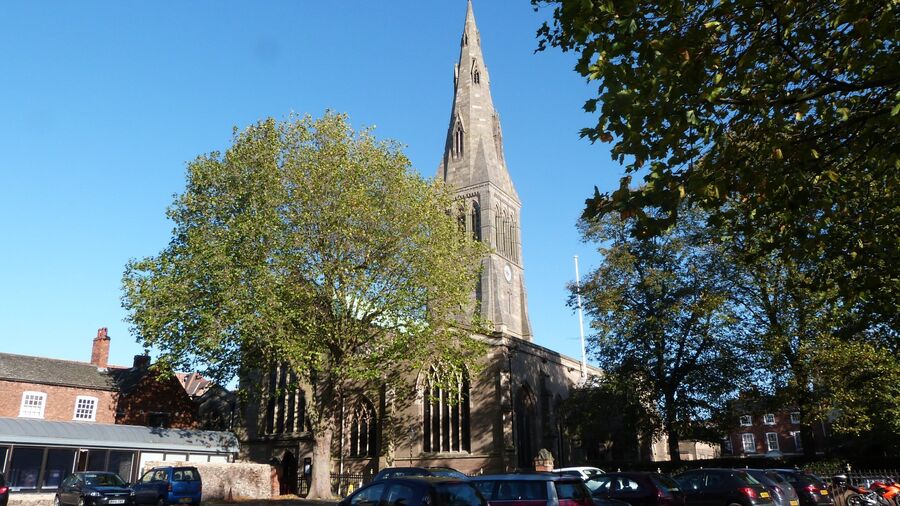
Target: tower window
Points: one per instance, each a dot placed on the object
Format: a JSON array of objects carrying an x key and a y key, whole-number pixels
[
  {"x": 476, "y": 221},
  {"x": 476, "y": 74},
  {"x": 458, "y": 142}
]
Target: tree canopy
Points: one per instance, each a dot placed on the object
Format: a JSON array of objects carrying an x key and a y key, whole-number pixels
[
  {"x": 309, "y": 244},
  {"x": 664, "y": 322},
  {"x": 782, "y": 118}
]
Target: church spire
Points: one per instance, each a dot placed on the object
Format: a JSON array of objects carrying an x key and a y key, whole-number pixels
[
  {"x": 489, "y": 207},
  {"x": 473, "y": 153}
]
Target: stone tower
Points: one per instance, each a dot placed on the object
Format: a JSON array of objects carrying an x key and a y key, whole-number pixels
[{"x": 489, "y": 207}]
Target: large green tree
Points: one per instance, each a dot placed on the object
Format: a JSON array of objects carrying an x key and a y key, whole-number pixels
[
  {"x": 790, "y": 108},
  {"x": 314, "y": 245},
  {"x": 663, "y": 320}
]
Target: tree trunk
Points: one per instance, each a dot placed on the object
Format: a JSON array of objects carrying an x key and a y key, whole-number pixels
[
  {"x": 320, "y": 485},
  {"x": 671, "y": 431}
]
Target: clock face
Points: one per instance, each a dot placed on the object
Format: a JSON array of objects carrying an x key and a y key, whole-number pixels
[{"x": 507, "y": 272}]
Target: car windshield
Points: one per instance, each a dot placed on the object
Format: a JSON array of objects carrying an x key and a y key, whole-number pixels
[
  {"x": 103, "y": 480},
  {"x": 597, "y": 484},
  {"x": 457, "y": 494},
  {"x": 665, "y": 483},
  {"x": 746, "y": 478}
]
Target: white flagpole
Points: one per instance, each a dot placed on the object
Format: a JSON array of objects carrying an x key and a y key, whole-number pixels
[{"x": 580, "y": 322}]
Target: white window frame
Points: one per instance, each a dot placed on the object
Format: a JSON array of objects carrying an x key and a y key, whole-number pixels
[
  {"x": 798, "y": 442},
  {"x": 751, "y": 447},
  {"x": 769, "y": 419},
  {"x": 770, "y": 438},
  {"x": 795, "y": 417},
  {"x": 34, "y": 395},
  {"x": 746, "y": 420},
  {"x": 94, "y": 401}
]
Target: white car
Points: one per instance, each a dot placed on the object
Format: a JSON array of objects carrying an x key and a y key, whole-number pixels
[{"x": 583, "y": 472}]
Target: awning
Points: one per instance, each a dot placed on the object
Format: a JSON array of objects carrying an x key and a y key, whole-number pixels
[{"x": 133, "y": 437}]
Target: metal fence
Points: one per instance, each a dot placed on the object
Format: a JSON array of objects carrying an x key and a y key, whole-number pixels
[{"x": 859, "y": 484}]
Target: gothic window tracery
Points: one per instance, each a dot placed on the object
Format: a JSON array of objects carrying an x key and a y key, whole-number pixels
[
  {"x": 363, "y": 429},
  {"x": 285, "y": 402},
  {"x": 476, "y": 74},
  {"x": 445, "y": 421}
]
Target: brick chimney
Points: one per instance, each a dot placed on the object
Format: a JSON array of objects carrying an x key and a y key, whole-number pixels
[
  {"x": 141, "y": 361},
  {"x": 100, "y": 350}
]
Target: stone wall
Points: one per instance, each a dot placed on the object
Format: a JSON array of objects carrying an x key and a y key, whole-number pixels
[{"x": 243, "y": 480}]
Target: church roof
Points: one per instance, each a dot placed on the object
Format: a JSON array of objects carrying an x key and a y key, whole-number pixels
[{"x": 473, "y": 152}]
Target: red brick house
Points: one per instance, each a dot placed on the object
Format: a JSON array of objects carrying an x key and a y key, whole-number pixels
[
  {"x": 760, "y": 431},
  {"x": 65, "y": 390}
]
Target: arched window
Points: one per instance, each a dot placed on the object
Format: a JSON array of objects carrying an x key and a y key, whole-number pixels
[
  {"x": 445, "y": 420},
  {"x": 285, "y": 402},
  {"x": 497, "y": 228},
  {"x": 476, "y": 74},
  {"x": 504, "y": 235},
  {"x": 363, "y": 430},
  {"x": 461, "y": 217},
  {"x": 476, "y": 221},
  {"x": 458, "y": 137},
  {"x": 525, "y": 405}
]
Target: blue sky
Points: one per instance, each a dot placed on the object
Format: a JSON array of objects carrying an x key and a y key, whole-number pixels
[{"x": 103, "y": 103}]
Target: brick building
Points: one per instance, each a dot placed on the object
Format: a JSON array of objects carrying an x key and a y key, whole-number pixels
[
  {"x": 60, "y": 416},
  {"x": 759, "y": 431},
  {"x": 95, "y": 391}
]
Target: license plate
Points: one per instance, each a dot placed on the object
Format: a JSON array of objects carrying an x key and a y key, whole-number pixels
[
  {"x": 185, "y": 500},
  {"x": 824, "y": 492},
  {"x": 795, "y": 503},
  {"x": 116, "y": 501},
  {"x": 764, "y": 495}
]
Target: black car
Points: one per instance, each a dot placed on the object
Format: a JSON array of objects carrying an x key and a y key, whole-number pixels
[
  {"x": 782, "y": 491},
  {"x": 810, "y": 488},
  {"x": 636, "y": 488},
  {"x": 722, "y": 487},
  {"x": 4, "y": 491},
  {"x": 397, "y": 472},
  {"x": 93, "y": 488},
  {"x": 416, "y": 491}
]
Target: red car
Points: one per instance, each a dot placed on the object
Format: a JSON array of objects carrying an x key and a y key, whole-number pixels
[{"x": 533, "y": 489}]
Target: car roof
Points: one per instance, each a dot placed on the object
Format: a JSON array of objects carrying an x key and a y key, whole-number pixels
[
  {"x": 422, "y": 479},
  {"x": 526, "y": 477}
]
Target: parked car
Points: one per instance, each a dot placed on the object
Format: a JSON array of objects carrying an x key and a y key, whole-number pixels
[
  {"x": 92, "y": 488},
  {"x": 415, "y": 491},
  {"x": 722, "y": 487},
  {"x": 583, "y": 472},
  {"x": 534, "y": 489},
  {"x": 810, "y": 488},
  {"x": 396, "y": 472},
  {"x": 169, "y": 485},
  {"x": 637, "y": 489},
  {"x": 782, "y": 491},
  {"x": 4, "y": 491}
]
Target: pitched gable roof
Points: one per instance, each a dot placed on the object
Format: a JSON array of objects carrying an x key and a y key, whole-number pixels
[{"x": 51, "y": 371}]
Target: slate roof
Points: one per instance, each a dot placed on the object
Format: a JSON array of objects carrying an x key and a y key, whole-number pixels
[
  {"x": 53, "y": 433},
  {"x": 51, "y": 371}
]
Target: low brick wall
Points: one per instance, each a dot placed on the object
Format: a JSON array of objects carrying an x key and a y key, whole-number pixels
[{"x": 242, "y": 480}]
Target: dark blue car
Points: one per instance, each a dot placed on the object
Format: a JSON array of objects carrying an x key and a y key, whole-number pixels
[{"x": 169, "y": 485}]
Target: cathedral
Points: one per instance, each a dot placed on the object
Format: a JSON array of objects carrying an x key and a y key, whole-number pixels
[{"x": 498, "y": 419}]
